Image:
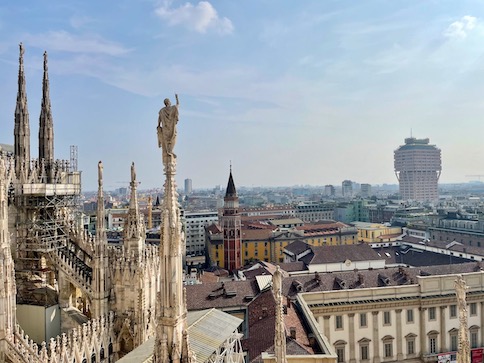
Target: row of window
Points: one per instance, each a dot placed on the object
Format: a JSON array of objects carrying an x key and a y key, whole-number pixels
[
  {"x": 409, "y": 316},
  {"x": 410, "y": 344}
]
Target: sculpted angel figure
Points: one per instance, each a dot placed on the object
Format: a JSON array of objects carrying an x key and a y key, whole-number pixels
[
  {"x": 100, "y": 173},
  {"x": 167, "y": 120}
]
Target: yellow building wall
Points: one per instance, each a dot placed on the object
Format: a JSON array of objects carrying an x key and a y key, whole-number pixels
[
  {"x": 256, "y": 250},
  {"x": 278, "y": 247},
  {"x": 331, "y": 240},
  {"x": 216, "y": 254},
  {"x": 272, "y": 250},
  {"x": 370, "y": 235}
]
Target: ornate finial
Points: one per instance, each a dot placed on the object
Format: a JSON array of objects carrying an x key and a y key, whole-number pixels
[
  {"x": 100, "y": 174},
  {"x": 133, "y": 173},
  {"x": 22, "y": 51},
  {"x": 45, "y": 61}
]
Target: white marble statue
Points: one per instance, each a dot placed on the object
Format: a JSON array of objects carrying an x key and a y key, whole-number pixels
[{"x": 167, "y": 120}]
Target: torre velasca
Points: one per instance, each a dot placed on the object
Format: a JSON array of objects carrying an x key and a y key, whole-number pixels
[{"x": 418, "y": 166}]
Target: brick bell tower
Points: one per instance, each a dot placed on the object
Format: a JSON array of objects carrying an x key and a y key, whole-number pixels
[{"x": 231, "y": 224}]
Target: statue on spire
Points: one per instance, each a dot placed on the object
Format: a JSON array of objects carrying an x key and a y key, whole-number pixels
[
  {"x": 100, "y": 174},
  {"x": 167, "y": 120},
  {"x": 133, "y": 173},
  {"x": 171, "y": 342}
]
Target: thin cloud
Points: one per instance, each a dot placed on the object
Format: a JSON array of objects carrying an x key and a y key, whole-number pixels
[
  {"x": 67, "y": 42},
  {"x": 201, "y": 17},
  {"x": 79, "y": 21},
  {"x": 461, "y": 28}
]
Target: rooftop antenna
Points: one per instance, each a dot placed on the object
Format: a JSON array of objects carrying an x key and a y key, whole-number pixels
[
  {"x": 230, "y": 165},
  {"x": 411, "y": 134}
]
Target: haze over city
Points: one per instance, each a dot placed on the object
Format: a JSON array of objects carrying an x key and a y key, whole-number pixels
[{"x": 290, "y": 93}]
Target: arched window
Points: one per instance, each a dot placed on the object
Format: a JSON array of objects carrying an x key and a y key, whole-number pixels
[
  {"x": 454, "y": 339},
  {"x": 364, "y": 349},
  {"x": 411, "y": 338},
  {"x": 340, "y": 347},
  {"x": 387, "y": 346},
  {"x": 433, "y": 335},
  {"x": 474, "y": 336}
]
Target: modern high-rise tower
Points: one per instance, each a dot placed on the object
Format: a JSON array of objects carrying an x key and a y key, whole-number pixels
[
  {"x": 347, "y": 188},
  {"x": 188, "y": 186},
  {"x": 418, "y": 166}
]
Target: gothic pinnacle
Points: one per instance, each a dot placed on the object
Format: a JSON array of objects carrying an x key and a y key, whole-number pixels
[
  {"x": 46, "y": 124},
  {"x": 22, "y": 127}
]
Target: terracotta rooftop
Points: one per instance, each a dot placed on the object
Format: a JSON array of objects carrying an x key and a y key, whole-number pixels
[
  {"x": 216, "y": 295},
  {"x": 414, "y": 257},
  {"x": 293, "y": 266},
  {"x": 256, "y": 234},
  {"x": 322, "y": 226},
  {"x": 341, "y": 253},
  {"x": 213, "y": 228},
  {"x": 262, "y": 329},
  {"x": 258, "y": 225},
  {"x": 394, "y": 276},
  {"x": 297, "y": 247}
]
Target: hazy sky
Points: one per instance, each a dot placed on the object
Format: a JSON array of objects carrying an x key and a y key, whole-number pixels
[{"x": 292, "y": 92}]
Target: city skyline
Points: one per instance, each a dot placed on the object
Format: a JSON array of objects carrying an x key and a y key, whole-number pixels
[{"x": 306, "y": 94}]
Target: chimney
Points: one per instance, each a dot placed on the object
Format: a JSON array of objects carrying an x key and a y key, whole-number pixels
[
  {"x": 292, "y": 331},
  {"x": 288, "y": 303}
]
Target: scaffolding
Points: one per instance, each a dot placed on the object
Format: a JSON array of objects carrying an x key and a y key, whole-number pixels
[
  {"x": 44, "y": 221},
  {"x": 230, "y": 351},
  {"x": 74, "y": 156}
]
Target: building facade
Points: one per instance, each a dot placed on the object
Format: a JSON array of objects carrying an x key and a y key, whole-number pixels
[
  {"x": 195, "y": 223},
  {"x": 418, "y": 166},
  {"x": 415, "y": 322},
  {"x": 347, "y": 188},
  {"x": 314, "y": 211},
  {"x": 365, "y": 190},
  {"x": 268, "y": 244}
]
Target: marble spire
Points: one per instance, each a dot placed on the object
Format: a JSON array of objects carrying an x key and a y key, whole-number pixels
[
  {"x": 171, "y": 342},
  {"x": 100, "y": 277},
  {"x": 22, "y": 126},
  {"x": 46, "y": 124},
  {"x": 134, "y": 227},
  {"x": 100, "y": 215},
  {"x": 464, "y": 351}
]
